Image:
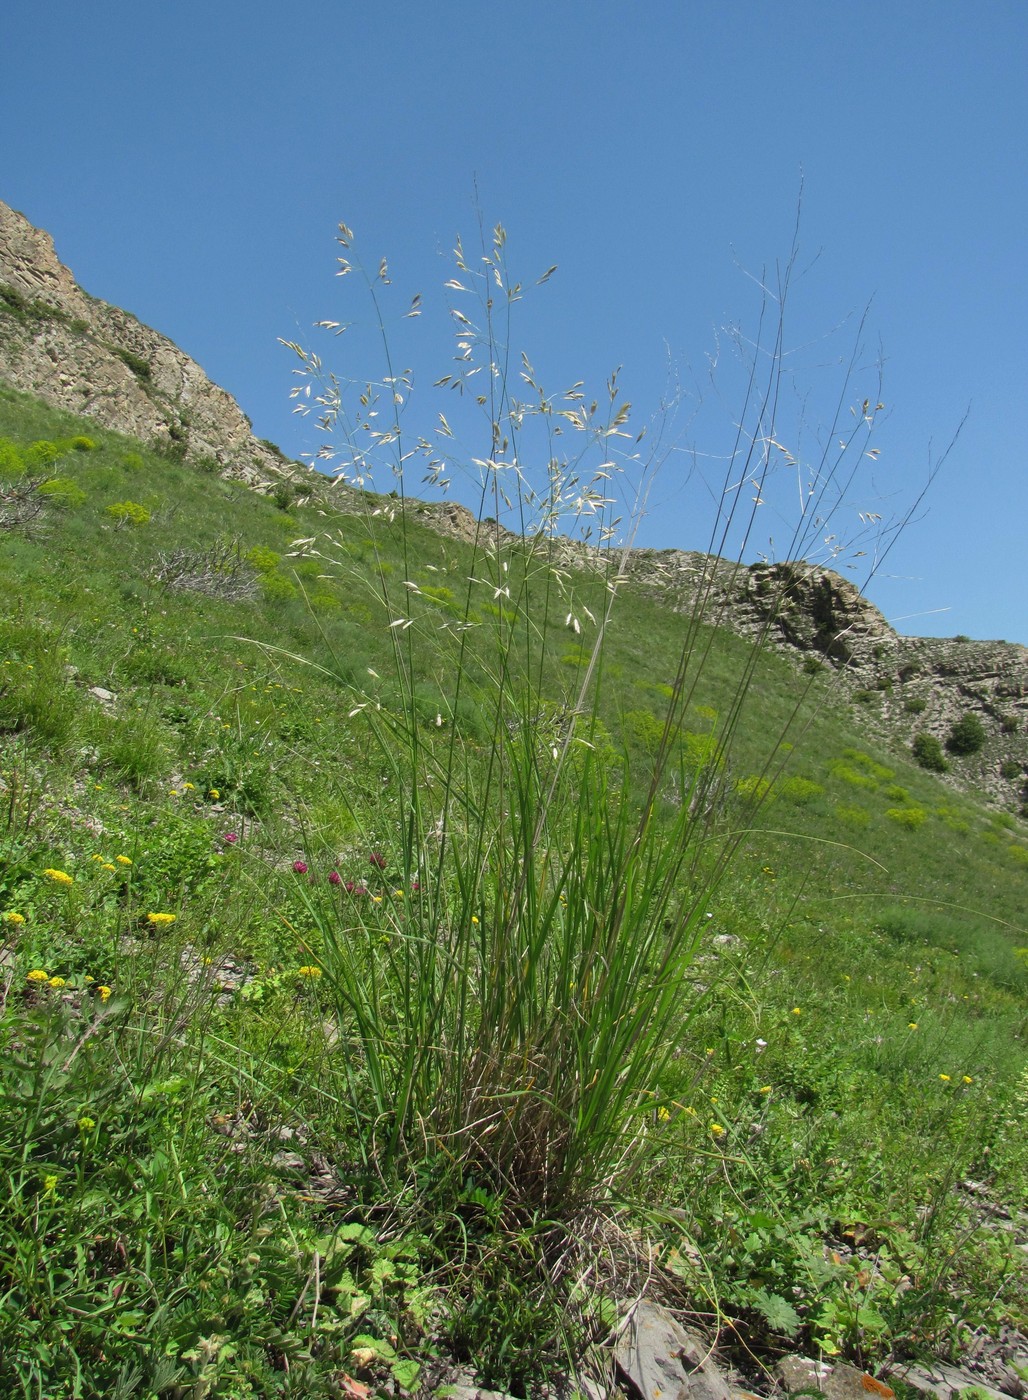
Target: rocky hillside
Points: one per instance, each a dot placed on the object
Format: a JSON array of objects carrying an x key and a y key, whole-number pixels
[
  {"x": 80, "y": 354},
  {"x": 899, "y": 687},
  {"x": 90, "y": 358}
]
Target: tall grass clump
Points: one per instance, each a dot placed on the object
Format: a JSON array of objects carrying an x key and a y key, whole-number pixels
[{"x": 511, "y": 972}]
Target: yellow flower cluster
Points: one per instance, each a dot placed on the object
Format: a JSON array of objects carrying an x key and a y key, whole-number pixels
[
  {"x": 59, "y": 877},
  {"x": 309, "y": 972},
  {"x": 161, "y": 919},
  {"x": 12, "y": 917}
]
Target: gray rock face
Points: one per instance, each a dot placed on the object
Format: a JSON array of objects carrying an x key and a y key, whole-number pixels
[
  {"x": 659, "y": 1359},
  {"x": 80, "y": 354}
]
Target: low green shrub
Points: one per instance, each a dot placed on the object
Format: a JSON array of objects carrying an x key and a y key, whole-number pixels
[
  {"x": 910, "y": 817},
  {"x": 928, "y": 753},
  {"x": 139, "y": 367},
  {"x": 800, "y": 790},
  {"x": 277, "y": 589},
  {"x": 262, "y": 559},
  {"x": 967, "y": 736},
  {"x": 128, "y": 513},
  {"x": 12, "y": 463},
  {"x": 62, "y": 491}
]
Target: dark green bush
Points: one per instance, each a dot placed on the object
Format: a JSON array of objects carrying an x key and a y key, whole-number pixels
[
  {"x": 928, "y": 752},
  {"x": 139, "y": 367},
  {"x": 915, "y": 705},
  {"x": 967, "y": 735},
  {"x": 1009, "y": 769}
]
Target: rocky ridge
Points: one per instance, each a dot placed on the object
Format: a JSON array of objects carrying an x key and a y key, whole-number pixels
[
  {"x": 898, "y": 686},
  {"x": 87, "y": 357}
]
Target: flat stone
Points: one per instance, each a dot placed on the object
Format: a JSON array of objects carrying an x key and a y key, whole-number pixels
[
  {"x": 662, "y": 1360},
  {"x": 99, "y": 693},
  {"x": 802, "y": 1373},
  {"x": 847, "y": 1383}
]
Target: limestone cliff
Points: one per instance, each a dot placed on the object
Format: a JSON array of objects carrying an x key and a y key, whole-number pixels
[{"x": 80, "y": 354}]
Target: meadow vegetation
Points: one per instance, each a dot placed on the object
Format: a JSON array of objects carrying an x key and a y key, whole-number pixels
[{"x": 414, "y": 946}]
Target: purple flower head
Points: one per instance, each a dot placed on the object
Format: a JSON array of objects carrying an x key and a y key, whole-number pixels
[
  {"x": 334, "y": 877},
  {"x": 300, "y": 866},
  {"x": 377, "y": 859},
  {"x": 351, "y": 888},
  {"x": 230, "y": 838}
]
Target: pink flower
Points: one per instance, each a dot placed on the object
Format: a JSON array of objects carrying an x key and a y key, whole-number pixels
[
  {"x": 377, "y": 859},
  {"x": 334, "y": 877},
  {"x": 415, "y": 886},
  {"x": 351, "y": 888},
  {"x": 230, "y": 838},
  {"x": 300, "y": 866}
]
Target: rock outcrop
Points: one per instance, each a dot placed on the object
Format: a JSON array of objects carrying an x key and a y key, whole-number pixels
[{"x": 80, "y": 354}]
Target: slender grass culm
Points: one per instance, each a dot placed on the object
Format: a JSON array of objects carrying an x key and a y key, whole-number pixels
[{"x": 507, "y": 1011}]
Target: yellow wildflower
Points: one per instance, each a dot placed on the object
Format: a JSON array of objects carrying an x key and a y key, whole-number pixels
[
  {"x": 49, "y": 1185},
  {"x": 214, "y": 791},
  {"x": 108, "y": 866},
  {"x": 13, "y": 917},
  {"x": 123, "y": 860},
  {"x": 309, "y": 971},
  {"x": 37, "y": 975},
  {"x": 663, "y": 1114},
  {"x": 105, "y": 993},
  {"x": 57, "y": 982},
  {"x": 97, "y": 858},
  {"x": 796, "y": 1011},
  {"x": 188, "y": 787},
  {"x": 911, "y": 1025},
  {"x": 944, "y": 1078},
  {"x": 59, "y": 877},
  {"x": 86, "y": 1124},
  {"x": 766, "y": 1089},
  {"x": 967, "y": 1079},
  {"x": 158, "y": 919},
  {"x": 717, "y": 1130}
]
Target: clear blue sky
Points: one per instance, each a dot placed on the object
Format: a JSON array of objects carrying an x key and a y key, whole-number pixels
[{"x": 192, "y": 160}]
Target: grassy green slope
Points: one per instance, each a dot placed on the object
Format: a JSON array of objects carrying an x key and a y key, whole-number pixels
[{"x": 858, "y": 1039}]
